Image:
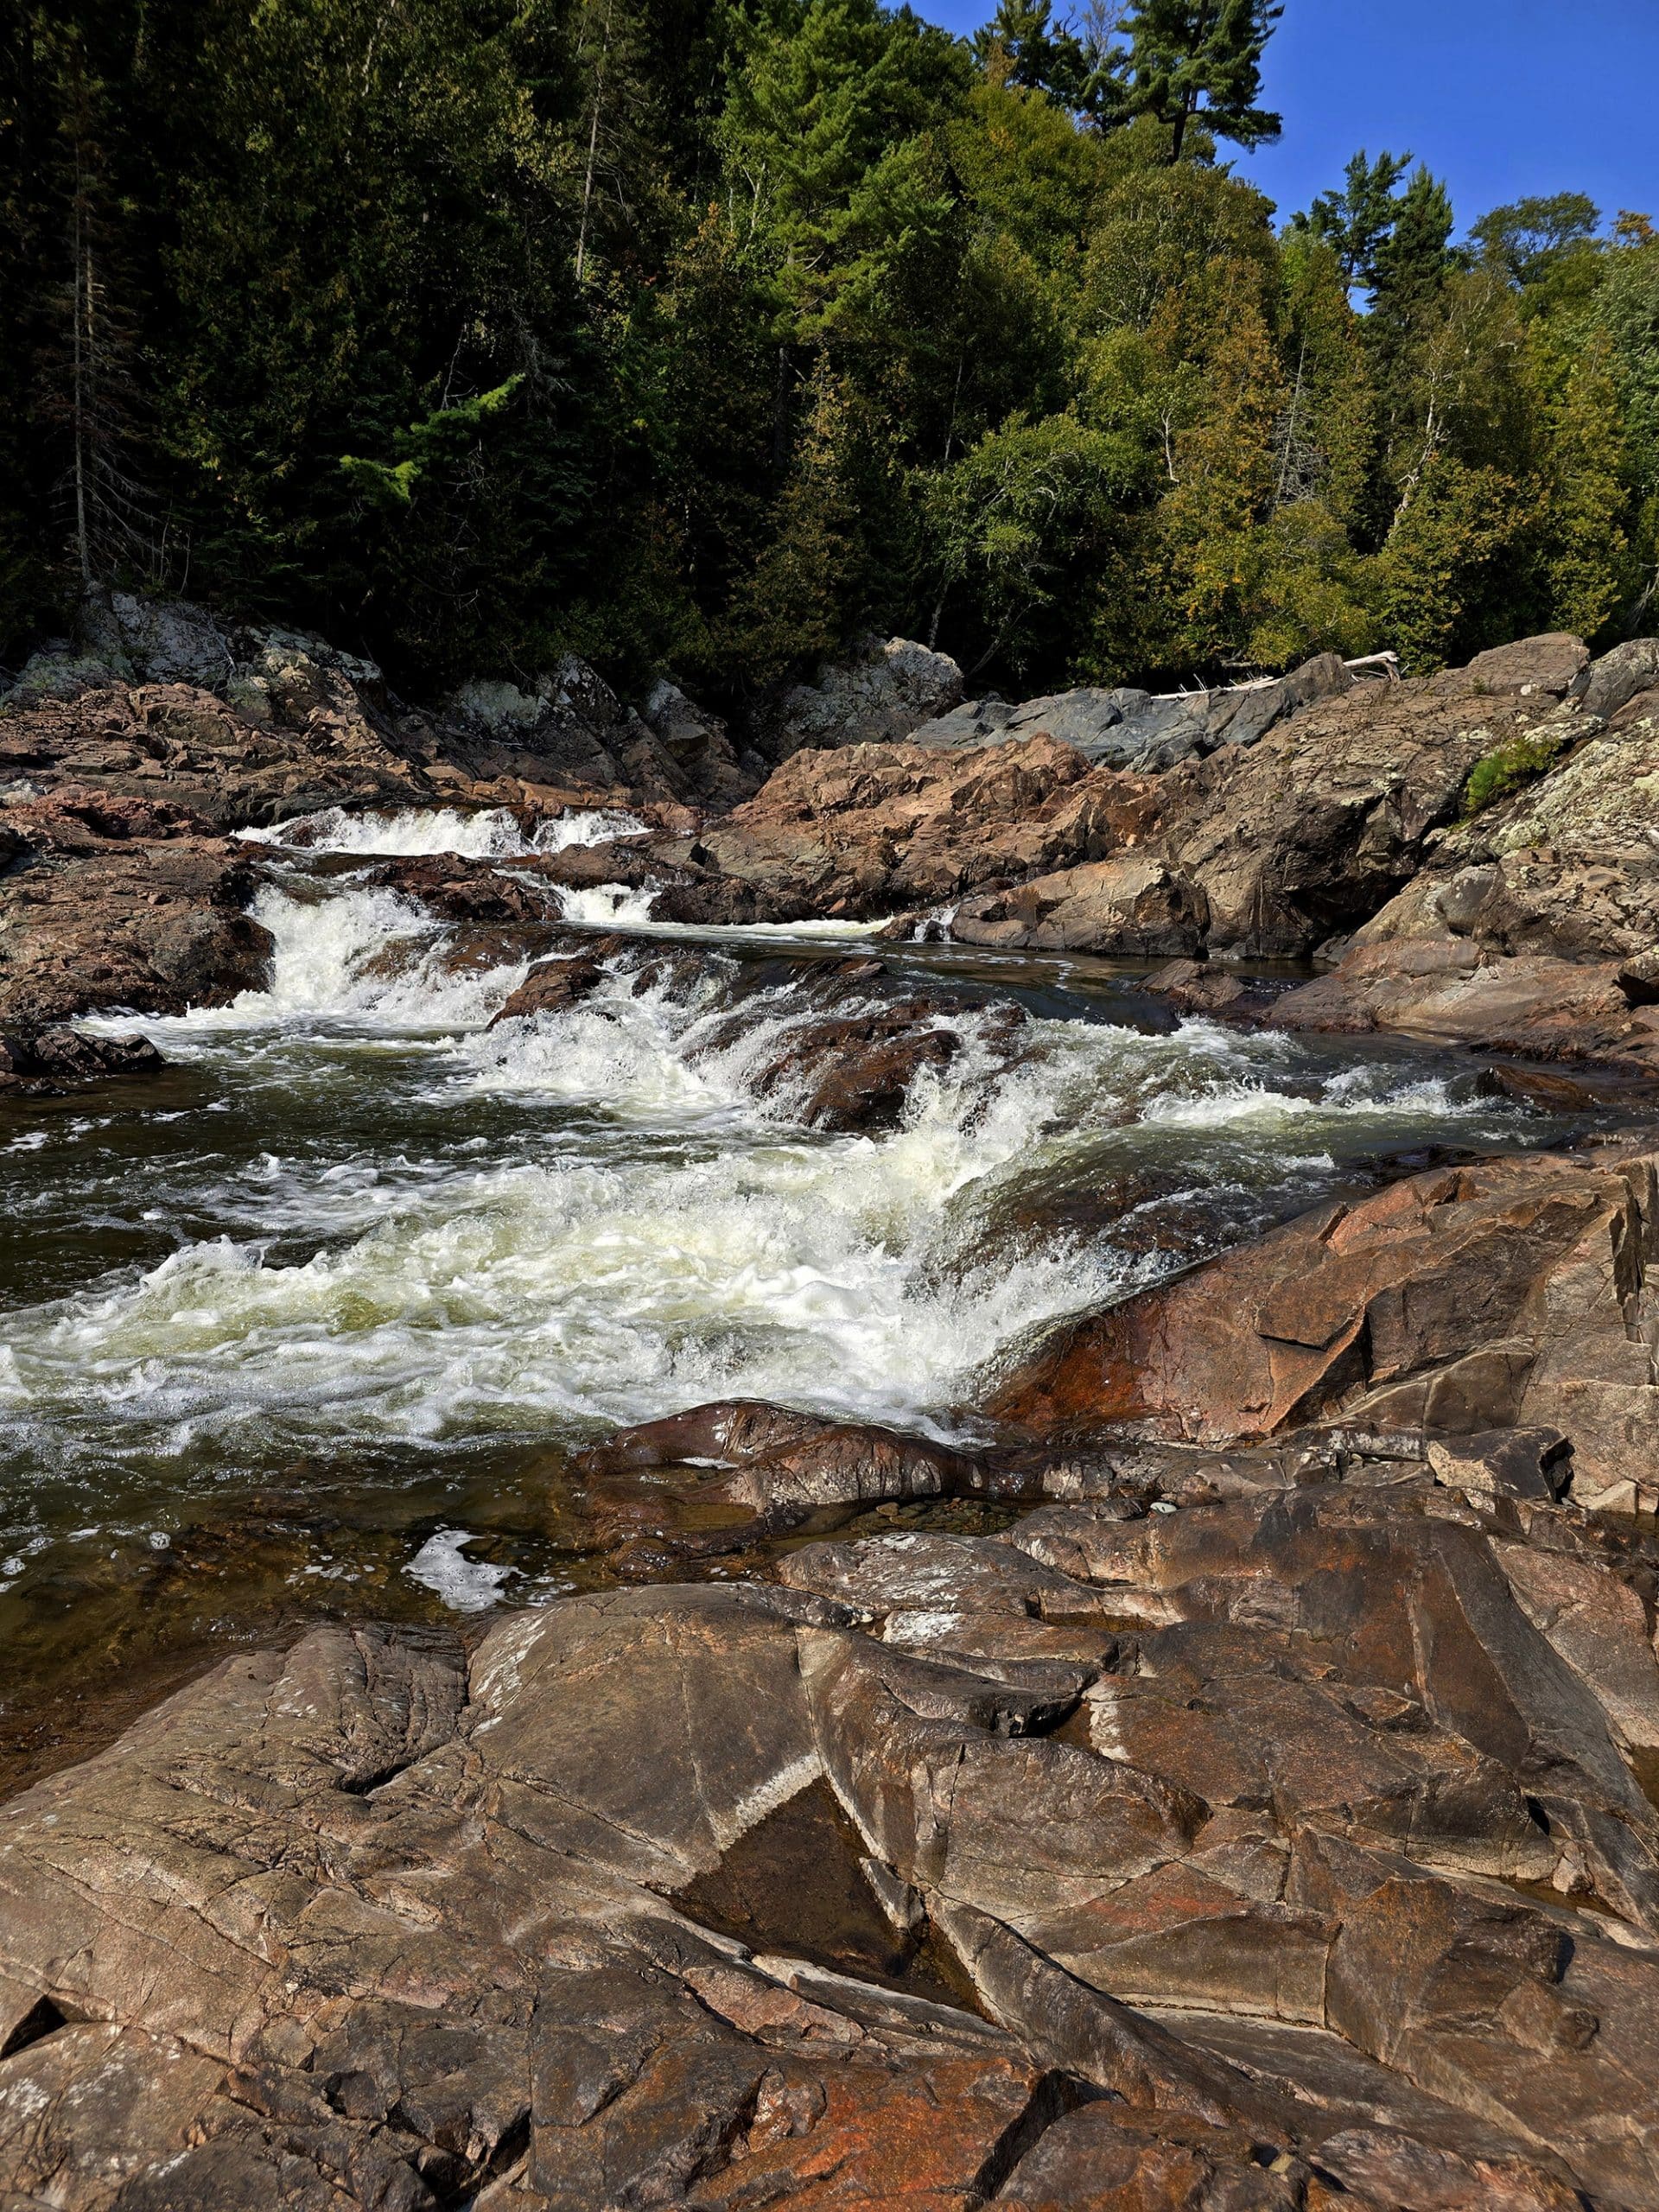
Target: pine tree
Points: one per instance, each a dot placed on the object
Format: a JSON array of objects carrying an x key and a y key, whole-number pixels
[
  {"x": 1022, "y": 45},
  {"x": 1357, "y": 222},
  {"x": 1200, "y": 60}
]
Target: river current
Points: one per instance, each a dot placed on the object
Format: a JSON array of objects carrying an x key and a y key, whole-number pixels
[{"x": 313, "y": 1321}]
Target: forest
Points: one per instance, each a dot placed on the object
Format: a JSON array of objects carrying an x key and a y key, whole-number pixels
[{"x": 706, "y": 335}]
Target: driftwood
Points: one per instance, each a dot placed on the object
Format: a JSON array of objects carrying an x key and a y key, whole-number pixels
[{"x": 1387, "y": 663}]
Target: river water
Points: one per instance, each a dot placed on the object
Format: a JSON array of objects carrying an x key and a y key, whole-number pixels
[{"x": 313, "y": 1322}]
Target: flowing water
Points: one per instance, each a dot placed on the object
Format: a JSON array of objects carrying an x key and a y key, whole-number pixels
[{"x": 313, "y": 1321}]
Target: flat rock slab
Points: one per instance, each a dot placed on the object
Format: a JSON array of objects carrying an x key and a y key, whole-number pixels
[{"x": 1291, "y": 1849}]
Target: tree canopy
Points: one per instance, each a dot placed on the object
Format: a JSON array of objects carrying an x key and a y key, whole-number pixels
[{"x": 706, "y": 335}]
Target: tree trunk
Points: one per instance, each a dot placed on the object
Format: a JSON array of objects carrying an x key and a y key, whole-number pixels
[
  {"x": 593, "y": 145},
  {"x": 81, "y": 399}
]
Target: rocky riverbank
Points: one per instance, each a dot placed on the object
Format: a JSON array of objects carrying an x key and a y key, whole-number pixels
[
  {"x": 1263, "y": 1825},
  {"x": 1215, "y": 1767}
]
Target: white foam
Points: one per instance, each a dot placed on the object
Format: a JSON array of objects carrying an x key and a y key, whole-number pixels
[
  {"x": 658, "y": 1232},
  {"x": 606, "y": 905},
  {"x": 492, "y": 833},
  {"x": 465, "y": 1586},
  {"x": 373, "y": 958}
]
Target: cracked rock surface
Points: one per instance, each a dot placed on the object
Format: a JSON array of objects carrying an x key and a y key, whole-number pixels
[{"x": 1287, "y": 1851}]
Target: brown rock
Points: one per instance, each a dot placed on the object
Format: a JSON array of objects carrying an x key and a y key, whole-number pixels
[
  {"x": 1134, "y": 907},
  {"x": 1552, "y": 663},
  {"x": 1343, "y": 1301}
]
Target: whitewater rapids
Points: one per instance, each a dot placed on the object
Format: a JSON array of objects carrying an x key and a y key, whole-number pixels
[{"x": 443, "y": 1232}]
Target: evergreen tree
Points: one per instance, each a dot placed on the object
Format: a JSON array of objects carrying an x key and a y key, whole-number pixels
[
  {"x": 701, "y": 334},
  {"x": 1022, "y": 45},
  {"x": 1357, "y": 222},
  {"x": 1202, "y": 59}
]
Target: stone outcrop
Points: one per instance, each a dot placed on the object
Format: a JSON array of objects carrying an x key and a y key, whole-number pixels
[
  {"x": 1320, "y": 799},
  {"x": 873, "y": 829},
  {"x": 175, "y": 744},
  {"x": 1304, "y": 834},
  {"x": 882, "y": 692},
  {"x": 570, "y": 730},
  {"x": 108, "y": 901},
  {"x": 309, "y": 725},
  {"x": 1462, "y": 1301},
  {"x": 1528, "y": 928},
  {"x": 1126, "y": 729},
  {"x": 1284, "y": 1853}
]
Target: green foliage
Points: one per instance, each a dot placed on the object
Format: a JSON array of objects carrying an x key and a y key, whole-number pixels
[
  {"x": 1525, "y": 240},
  {"x": 706, "y": 334},
  {"x": 1357, "y": 222},
  {"x": 1191, "y": 58},
  {"x": 1519, "y": 761},
  {"x": 1017, "y": 515},
  {"x": 444, "y": 439}
]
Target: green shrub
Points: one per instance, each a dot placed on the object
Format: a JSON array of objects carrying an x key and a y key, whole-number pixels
[{"x": 1509, "y": 766}]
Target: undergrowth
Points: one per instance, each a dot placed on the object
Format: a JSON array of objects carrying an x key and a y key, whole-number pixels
[{"x": 1521, "y": 760}]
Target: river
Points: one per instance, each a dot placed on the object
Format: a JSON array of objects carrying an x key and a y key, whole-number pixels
[{"x": 313, "y": 1322}]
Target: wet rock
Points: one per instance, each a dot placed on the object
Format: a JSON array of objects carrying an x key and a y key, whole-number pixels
[
  {"x": 553, "y": 987},
  {"x": 1197, "y": 987},
  {"x": 781, "y": 1464},
  {"x": 1459, "y": 1301},
  {"x": 54, "y": 1059}
]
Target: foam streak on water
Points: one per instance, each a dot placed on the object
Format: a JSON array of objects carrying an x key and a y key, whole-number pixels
[{"x": 492, "y": 833}]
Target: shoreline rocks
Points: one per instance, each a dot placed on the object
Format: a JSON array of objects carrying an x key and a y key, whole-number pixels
[
  {"x": 1286, "y": 1847},
  {"x": 1521, "y": 1292}
]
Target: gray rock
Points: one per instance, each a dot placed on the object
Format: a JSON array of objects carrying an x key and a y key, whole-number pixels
[
  {"x": 1617, "y": 678},
  {"x": 887, "y": 691},
  {"x": 697, "y": 744},
  {"x": 170, "y": 640},
  {"x": 1092, "y": 720},
  {"x": 976, "y": 722}
]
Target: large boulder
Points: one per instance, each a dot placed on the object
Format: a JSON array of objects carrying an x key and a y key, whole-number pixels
[
  {"x": 697, "y": 744},
  {"x": 869, "y": 829},
  {"x": 883, "y": 692},
  {"x": 1619, "y": 677},
  {"x": 1459, "y": 1300},
  {"x": 1135, "y": 906},
  {"x": 118, "y": 904},
  {"x": 1551, "y": 664}
]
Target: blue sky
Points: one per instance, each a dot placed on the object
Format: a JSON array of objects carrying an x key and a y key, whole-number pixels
[{"x": 1501, "y": 97}]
